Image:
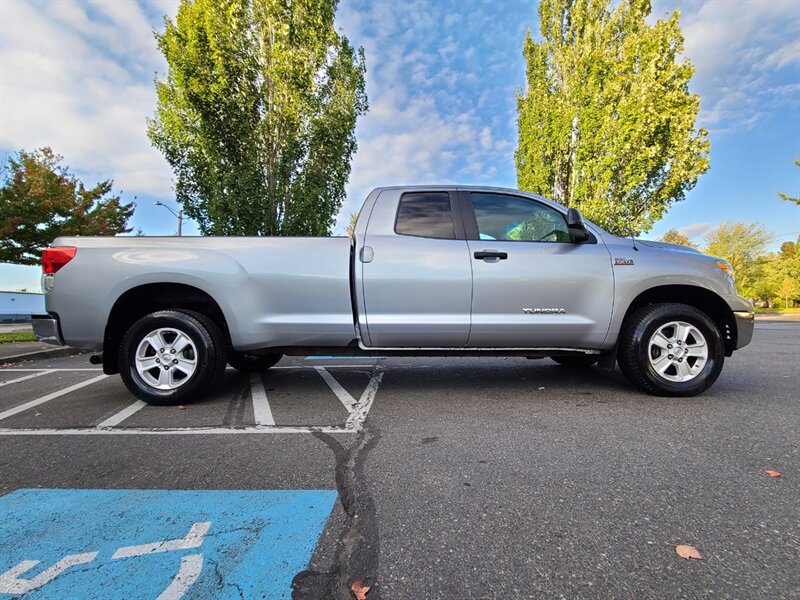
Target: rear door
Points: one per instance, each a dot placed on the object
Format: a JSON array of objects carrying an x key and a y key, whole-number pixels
[
  {"x": 416, "y": 271},
  {"x": 532, "y": 287}
]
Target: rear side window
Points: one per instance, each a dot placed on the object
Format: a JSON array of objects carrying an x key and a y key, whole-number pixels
[{"x": 425, "y": 214}]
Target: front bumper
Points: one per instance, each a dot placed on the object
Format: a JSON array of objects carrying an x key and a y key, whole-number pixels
[
  {"x": 745, "y": 321},
  {"x": 46, "y": 328}
]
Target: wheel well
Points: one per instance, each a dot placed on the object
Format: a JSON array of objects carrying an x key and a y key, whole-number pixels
[
  {"x": 707, "y": 301},
  {"x": 142, "y": 300}
]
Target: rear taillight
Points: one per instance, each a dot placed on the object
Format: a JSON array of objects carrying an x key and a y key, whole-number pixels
[{"x": 55, "y": 258}]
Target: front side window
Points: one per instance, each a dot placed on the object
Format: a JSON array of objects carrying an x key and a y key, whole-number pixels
[
  {"x": 515, "y": 219},
  {"x": 425, "y": 214}
]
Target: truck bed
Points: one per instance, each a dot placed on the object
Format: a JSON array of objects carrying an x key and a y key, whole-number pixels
[{"x": 272, "y": 291}]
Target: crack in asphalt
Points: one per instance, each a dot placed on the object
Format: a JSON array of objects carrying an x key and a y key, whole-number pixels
[{"x": 356, "y": 555}]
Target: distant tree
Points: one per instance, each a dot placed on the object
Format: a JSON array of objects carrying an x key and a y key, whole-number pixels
[
  {"x": 790, "y": 198},
  {"x": 607, "y": 122},
  {"x": 673, "y": 236},
  {"x": 743, "y": 245},
  {"x": 257, "y": 114},
  {"x": 351, "y": 226},
  {"x": 41, "y": 200},
  {"x": 788, "y": 289}
]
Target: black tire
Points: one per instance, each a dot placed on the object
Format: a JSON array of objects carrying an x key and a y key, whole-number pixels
[
  {"x": 577, "y": 361},
  {"x": 247, "y": 362},
  {"x": 209, "y": 343},
  {"x": 633, "y": 352}
]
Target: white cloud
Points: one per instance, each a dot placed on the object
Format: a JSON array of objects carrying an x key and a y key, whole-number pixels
[
  {"x": 432, "y": 95},
  {"x": 738, "y": 47},
  {"x": 78, "y": 78},
  {"x": 784, "y": 56},
  {"x": 696, "y": 230}
]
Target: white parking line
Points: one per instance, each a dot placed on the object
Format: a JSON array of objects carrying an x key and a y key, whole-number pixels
[
  {"x": 265, "y": 422},
  {"x": 174, "y": 430},
  {"x": 31, "y": 376},
  {"x": 360, "y": 411},
  {"x": 120, "y": 416},
  {"x": 261, "y": 409},
  {"x": 342, "y": 394},
  {"x": 23, "y": 407},
  {"x": 27, "y": 370}
]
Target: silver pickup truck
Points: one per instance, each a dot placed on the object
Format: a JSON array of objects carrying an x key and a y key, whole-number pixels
[{"x": 434, "y": 270}]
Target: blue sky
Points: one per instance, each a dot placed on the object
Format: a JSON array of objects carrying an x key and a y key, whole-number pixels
[{"x": 441, "y": 78}]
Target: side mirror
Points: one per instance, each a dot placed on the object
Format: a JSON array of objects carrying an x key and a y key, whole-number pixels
[{"x": 577, "y": 229}]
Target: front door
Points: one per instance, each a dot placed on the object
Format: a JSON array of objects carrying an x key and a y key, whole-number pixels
[
  {"x": 532, "y": 287},
  {"x": 417, "y": 276}
]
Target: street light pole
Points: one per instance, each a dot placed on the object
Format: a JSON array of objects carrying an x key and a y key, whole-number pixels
[{"x": 178, "y": 214}]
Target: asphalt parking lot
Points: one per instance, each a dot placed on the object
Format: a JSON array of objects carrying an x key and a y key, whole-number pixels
[{"x": 423, "y": 478}]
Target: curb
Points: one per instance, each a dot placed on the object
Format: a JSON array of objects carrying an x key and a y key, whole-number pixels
[{"x": 54, "y": 353}]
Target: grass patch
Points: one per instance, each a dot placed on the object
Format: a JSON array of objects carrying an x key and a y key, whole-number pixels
[
  {"x": 767, "y": 311},
  {"x": 22, "y": 336}
]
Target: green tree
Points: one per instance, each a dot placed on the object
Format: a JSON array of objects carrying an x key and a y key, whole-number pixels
[
  {"x": 790, "y": 198},
  {"x": 743, "y": 245},
  {"x": 257, "y": 114},
  {"x": 350, "y": 230},
  {"x": 606, "y": 123},
  {"x": 41, "y": 200},
  {"x": 788, "y": 289},
  {"x": 673, "y": 236}
]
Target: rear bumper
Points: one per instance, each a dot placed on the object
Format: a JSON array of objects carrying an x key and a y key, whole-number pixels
[
  {"x": 745, "y": 321},
  {"x": 46, "y": 328}
]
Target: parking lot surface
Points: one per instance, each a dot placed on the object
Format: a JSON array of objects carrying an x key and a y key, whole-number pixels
[{"x": 423, "y": 478}]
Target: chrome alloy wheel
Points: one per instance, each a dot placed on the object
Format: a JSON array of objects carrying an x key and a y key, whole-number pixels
[
  {"x": 166, "y": 358},
  {"x": 677, "y": 351}
]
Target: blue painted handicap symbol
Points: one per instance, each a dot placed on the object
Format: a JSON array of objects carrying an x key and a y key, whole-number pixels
[{"x": 157, "y": 544}]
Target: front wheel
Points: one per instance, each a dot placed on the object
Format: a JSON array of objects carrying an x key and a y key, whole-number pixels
[
  {"x": 171, "y": 357},
  {"x": 670, "y": 350}
]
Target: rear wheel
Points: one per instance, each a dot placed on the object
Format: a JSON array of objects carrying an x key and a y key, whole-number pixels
[
  {"x": 171, "y": 357},
  {"x": 577, "y": 361},
  {"x": 247, "y": 362},
  {"x": 670, "y": 350}
]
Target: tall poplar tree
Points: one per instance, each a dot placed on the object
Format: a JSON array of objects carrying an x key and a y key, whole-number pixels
[
  {"x": 257, "y": 114},
  {"x": 607, "y": 123}
]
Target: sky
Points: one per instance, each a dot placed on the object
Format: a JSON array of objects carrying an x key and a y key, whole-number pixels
[{"x": 441, "y": 80}]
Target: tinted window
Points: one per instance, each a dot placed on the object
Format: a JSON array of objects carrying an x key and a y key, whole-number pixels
[
  {"x": 511, "y": 218},
  {"x": 425, "y": 214}
]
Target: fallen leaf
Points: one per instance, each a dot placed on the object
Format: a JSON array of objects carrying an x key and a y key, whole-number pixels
[
  {"x": 773, "y": 473},
  {"x": 359, "y": 590},
  {"x": 181, "y": 407},
  {"x": 687, "y": 552}
]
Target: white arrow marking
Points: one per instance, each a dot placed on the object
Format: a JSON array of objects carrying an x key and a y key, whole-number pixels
[
  {"x": 11, "y": 583},
  {"x": 184, "y": 578},
  {"x": 193, "y": 539}
]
